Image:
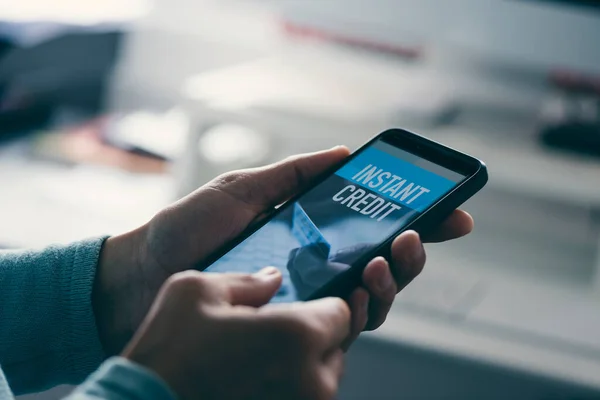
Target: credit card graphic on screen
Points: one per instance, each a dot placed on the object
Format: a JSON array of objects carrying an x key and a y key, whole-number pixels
[{"x": 305, "y": 230}]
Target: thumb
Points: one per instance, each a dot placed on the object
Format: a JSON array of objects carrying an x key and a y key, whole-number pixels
[
  {"x": 265, "y": 187},
  {"x": 245, "y": 289}
]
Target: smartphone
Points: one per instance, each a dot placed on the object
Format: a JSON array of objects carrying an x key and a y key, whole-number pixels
[{"x": 322, "y": 239}]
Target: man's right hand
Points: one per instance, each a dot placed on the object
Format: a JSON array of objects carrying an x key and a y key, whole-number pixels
[{"x": 207, "y": 339}]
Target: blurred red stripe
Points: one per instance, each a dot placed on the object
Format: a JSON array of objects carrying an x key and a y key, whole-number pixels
[{"x": 298, "y": 30}]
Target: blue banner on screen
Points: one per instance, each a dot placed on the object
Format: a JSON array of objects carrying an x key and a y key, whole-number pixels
[
  {"x": 394, "y": 179},
  {"x": 340, "y": 220}
]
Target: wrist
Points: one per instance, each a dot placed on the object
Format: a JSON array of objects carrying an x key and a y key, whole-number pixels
[{"x": 115, "y": 293}]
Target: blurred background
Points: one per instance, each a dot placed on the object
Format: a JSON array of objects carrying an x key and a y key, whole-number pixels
[{"x": 111, "y": 110}]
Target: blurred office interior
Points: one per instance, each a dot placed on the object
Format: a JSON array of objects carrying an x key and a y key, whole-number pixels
[{"x": 110, "y": 111}]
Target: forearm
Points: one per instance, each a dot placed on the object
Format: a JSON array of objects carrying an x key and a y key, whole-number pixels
[
  {"x": 48, "y": 333},
  {"x": 120, "y": 379}
]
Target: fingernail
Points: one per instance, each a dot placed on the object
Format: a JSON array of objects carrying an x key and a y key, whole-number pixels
[{"x": 267, "y": 272}]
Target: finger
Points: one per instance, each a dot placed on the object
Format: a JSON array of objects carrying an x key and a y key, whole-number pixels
[
  {"x": 407, "y": 258},
  {"x": 330, "y": 317},
  {"x": 459, "y": 223},
  {"x": 359, "y": 307},
  {"x": 244, "y": 289},
  {"x": 262, "y": 188},
  {"x": 382, "y": 287}
]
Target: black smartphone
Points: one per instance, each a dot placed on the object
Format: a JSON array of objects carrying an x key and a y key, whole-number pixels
[{"x": 322, "y": 239}]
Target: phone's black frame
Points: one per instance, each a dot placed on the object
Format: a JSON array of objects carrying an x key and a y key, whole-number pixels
[{"x": 474, "y": 170}]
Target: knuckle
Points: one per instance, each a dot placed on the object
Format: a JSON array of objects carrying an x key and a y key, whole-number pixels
[
  {"x": 242, "y": 185},
  {"x": 229, "y": 178},
  {"x": 336, "y": 317},
  {"x": 235, "y": 283},
  {"x": 294, "y": 170},
  {"x": 412, "y": 263},
  {"x": 291, "y": 333},
  {"x": 387, "y": 297},
  {"x": 187, "y": 283},
  {"x": 247, "y": 279},
  {"x": 340, "y": 308},
  {"x": 299, "y": 174}
]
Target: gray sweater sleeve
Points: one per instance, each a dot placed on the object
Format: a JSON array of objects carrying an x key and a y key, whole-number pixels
[
  {"x": 48, "y": 332},
  {"x": 120, "y": 379}
]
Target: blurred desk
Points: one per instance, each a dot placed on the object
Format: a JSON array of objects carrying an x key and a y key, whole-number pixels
[{"x": 46, "y": 202}]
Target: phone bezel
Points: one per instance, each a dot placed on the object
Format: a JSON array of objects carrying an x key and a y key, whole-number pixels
[
  {"x": 418, "y": 145},
  {"x": 430, "y": 150}
]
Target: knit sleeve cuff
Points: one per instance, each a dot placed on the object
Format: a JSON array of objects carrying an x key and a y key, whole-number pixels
[
  {"x": 85, "y": 351},
  {"x": 121, "y": 379}
]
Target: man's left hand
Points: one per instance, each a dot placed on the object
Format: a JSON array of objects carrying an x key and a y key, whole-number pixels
[{"x": 133, "y": 266}]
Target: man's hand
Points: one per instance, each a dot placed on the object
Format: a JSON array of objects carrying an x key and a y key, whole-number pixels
[
  {"x": 206, "y": 339},
  {"x": 383, "y": 280},
  {"x": 133, "y": 266}
]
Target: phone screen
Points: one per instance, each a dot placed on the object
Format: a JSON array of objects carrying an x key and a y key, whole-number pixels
[{"x": 330, "y": 227}]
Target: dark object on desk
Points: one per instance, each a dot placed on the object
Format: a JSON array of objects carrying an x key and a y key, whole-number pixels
[
  {"x": 587, "y": 4},
  {"x": 579, "y": 137},
  {"x": 15, "y": 123},
  {"x": 571, "y": 118},
  {"x": 70, "y": 70}
]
